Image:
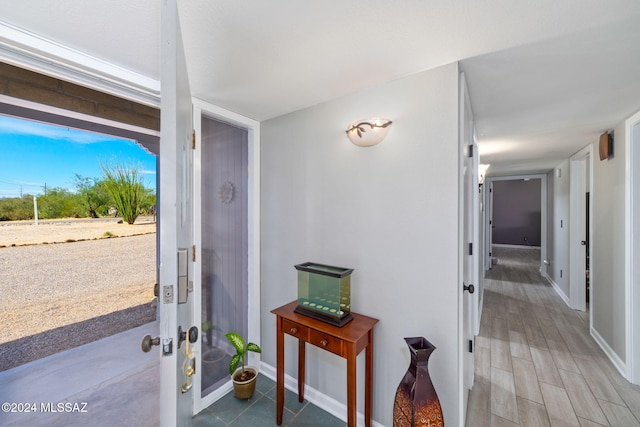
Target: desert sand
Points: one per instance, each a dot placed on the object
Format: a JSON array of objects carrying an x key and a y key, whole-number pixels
[
  {"x": 20, "y": 233},
  {"x": 78, "y": 287}
]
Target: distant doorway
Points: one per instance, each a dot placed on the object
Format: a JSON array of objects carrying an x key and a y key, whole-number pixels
[{"x": 521, "y": 222}]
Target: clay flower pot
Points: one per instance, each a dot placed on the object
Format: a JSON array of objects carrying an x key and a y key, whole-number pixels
[{"x": 245, "y": 389}]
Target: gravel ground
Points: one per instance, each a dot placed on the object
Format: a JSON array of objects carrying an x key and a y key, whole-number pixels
[{"x": 54, "y": 297}]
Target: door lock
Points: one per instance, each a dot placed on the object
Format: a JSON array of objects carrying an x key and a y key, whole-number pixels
[
  {"x": 469, "y": 288},
  {"x": 182, "y": 335}
]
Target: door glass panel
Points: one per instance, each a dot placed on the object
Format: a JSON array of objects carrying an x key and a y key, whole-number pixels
[{"x": 224, "y": 246}]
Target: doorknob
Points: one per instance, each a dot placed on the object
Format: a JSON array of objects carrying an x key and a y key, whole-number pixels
[
  {"x": 182, "y": 335},
  {"x": 469, "y": 288},
  {"x": 148, "y": 342}
]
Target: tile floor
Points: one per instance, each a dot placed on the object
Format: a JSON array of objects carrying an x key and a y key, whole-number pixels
[
  {"x": 260, "y": 410},
  {"x": 120, "y": 386},
  {"x": 536, "y": 364}
]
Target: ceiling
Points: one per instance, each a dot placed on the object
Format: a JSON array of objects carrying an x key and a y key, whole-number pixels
[{"x": 545, "y": 78}]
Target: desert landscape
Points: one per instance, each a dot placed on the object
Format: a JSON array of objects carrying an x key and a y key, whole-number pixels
[{"x": 64, "y": 283}]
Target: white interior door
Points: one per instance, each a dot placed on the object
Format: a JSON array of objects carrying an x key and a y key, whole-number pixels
[
  {"x": 468, "y": 211},
  {"x": 175, "y": 225},
  {"x": 489, "y": 216},
  {"x": 577, "y": 232}
]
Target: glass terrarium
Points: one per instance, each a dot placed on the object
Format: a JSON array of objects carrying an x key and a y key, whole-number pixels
[{"x": 324, "y": 292}]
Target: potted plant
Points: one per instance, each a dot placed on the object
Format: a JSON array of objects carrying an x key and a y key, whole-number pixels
[{"x": 244, "y": 378}]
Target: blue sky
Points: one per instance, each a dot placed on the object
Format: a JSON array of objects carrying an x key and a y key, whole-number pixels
[{"x": 33, "y": 154}]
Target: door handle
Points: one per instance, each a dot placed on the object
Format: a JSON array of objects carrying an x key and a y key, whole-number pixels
[
  {"x": 148, "y": 342},
  {"x": 583, "y": 242},
  {"x": 182, "y": 335},
  {"x": 469, "y": 288}
]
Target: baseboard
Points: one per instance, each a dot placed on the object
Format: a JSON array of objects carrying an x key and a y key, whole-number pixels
[
  {"x": 615, "y": 359},
  {"x": 556, "y": 288},
  {"x": 321, "y": 400},
  {"x": 502, "y": 245}
]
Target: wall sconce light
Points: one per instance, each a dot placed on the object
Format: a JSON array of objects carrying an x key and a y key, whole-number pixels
[
  {"x": 365, "y": 133},
  {"x": 482, "y": 173}
]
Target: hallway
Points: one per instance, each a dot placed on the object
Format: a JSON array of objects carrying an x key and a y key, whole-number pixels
[{"x": 535, "y": 362}]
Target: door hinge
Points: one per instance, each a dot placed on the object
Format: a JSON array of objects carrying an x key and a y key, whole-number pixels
[
  {"x": 470, "y": 248},
  {"x": 470, "y": 346},
  {"x": 193, "y": 139},
  {"x": 193, "y": 253},
  {"x": 490, "y": 254},
  {"x": 470, "y": 151}
]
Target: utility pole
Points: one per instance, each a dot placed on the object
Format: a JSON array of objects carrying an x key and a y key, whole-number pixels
[{"x": 35, "y": 209}]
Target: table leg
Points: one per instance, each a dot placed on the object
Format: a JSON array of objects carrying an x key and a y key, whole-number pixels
[
  {"x": 301, "y": 370},
  {"x": 351, "y": 386},
  {"x": 279, "y": 371},
  {"x": 368, "y": 381}
]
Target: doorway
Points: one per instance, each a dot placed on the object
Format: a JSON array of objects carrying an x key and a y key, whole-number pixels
[
  {"x": 226, "y": 233},
  {"x": 528, "y": 231},
  {"x": 224, "y": 150},
  {"x": 632, "y": 257},
  {"x": 580, "y": 201}
]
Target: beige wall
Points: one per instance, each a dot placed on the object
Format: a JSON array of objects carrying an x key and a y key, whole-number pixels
[
  {"x": 608, "y": 245},
  {"x": 389, "y": 211}
]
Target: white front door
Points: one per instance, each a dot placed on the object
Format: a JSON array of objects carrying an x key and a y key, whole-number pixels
[{"x": 176, "y": 302}]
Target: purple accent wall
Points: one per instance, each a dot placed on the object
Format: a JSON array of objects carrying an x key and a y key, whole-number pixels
[{"x": 517, "y": 212}]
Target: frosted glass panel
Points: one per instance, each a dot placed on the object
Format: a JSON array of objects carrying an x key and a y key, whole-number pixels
[{"x": 224, "y": 246}]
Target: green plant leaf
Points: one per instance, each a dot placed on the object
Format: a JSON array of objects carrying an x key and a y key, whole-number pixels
[
  {"x": 233, "y": 363},
  {"x": 236, "y": 340},
  {"x": 254, "y": 347}
]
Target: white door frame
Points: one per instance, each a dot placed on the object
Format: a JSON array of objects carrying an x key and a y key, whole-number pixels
[
  {"x": 580, "y": 167},
  {"x": 543, "y": 213},
  {"x": 201, "y": 108},
  {"x": 632, "y": 248}
]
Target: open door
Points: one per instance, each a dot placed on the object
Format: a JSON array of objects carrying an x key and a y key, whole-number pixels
[
  {"x": 176, "y": 303},
  {"x": 489, "y": 222},
  {"x": 577, "y": 229},
  {"x": 469, "y": 184}
]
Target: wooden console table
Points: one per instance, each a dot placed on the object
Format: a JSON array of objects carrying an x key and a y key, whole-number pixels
[{"x": 347, "y": 341}]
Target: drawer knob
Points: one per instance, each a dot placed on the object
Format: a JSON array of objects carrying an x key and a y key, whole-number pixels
[
  {"x": 324, "y": 343},
  {"x": 294, "y": 330}
]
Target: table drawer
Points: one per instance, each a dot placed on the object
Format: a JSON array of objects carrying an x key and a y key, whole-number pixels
[
  {"x": 327, "y": 342},
  {"x": 295, "y": 329}
]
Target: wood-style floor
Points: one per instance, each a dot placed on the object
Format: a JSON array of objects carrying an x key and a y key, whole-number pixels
[{"x": 535, "y": 362}]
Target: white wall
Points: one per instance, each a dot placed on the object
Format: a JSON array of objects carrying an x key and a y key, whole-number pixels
[
  {"x": 608, "y": 246},
  {"x": 559, "y": 226},
  {"x": 389, "y": 211}
]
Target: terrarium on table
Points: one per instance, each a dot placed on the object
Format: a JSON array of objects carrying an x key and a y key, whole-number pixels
[{"x": 324, "y": 292}]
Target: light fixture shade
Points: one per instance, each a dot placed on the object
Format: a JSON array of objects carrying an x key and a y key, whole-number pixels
[{"x": 365, "y": 133}]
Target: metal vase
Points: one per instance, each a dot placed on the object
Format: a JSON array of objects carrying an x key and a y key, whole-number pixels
[{"x": 416, "y": 403}]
